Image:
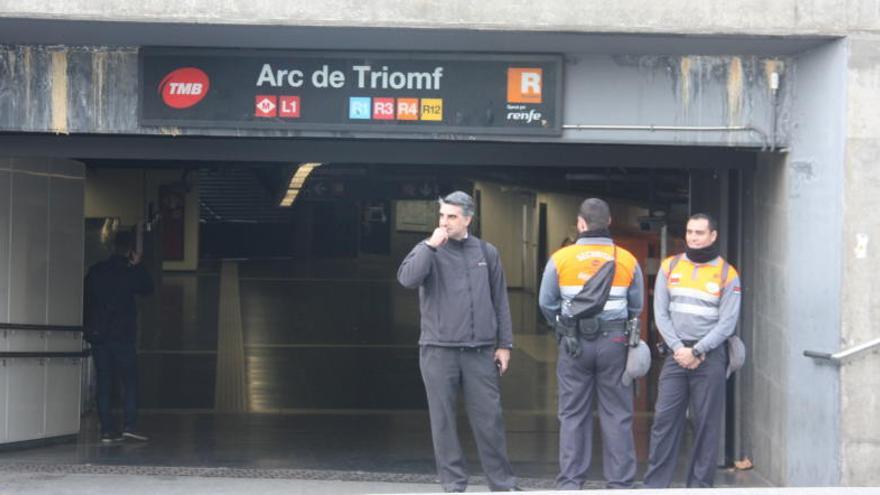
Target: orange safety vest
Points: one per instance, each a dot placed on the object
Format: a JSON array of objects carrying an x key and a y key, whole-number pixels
[
  {"x": 575, "y": 264},
  {"x": 695, "y": 289}
]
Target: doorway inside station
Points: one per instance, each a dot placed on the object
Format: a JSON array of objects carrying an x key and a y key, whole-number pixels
[{"x": 279, "y": 338}]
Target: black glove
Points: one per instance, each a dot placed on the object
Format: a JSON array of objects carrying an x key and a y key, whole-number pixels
[
  {"x": 567, "y": 336},
  {"x": 572, "y": 345}
]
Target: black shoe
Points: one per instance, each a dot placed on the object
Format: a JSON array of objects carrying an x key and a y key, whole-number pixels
[
  {"x": 110, "y": 437},
  {"x": 135, "y": 436}
]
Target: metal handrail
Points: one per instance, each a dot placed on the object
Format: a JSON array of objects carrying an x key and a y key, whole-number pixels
[{"x": 839, "y": 356}]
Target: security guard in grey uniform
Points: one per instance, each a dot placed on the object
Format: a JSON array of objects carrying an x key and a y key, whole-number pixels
[
  {"x": 593, "y": 349},
  {"x": 465, "y": 341},
  {"x": 696, "y": 307}
]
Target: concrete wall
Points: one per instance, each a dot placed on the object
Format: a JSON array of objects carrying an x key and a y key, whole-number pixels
[
  {"x": 677, "y": 16},
  {"x": 125, "y": 193},
  {"x": 815, "y": 201},
  {"x": 859, "y": 379},
  {"x": 763, "y": 403}
]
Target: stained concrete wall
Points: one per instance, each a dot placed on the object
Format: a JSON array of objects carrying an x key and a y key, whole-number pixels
[
  {"x": 680, "y": 16},
  {"x": 860, "y": 297},
  {"x": 72, "y": 90}
]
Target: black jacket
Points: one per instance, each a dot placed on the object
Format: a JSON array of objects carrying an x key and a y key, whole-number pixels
[
  {"x": 110, "y": 287},
  {"x": 455, "y": 295}
]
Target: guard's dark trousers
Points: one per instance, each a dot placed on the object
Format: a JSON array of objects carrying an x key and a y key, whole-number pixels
[
  {"x": 447, "y": 371},
  {"x": 596, "y": 371},
  {"x": 704, "y": 389}
]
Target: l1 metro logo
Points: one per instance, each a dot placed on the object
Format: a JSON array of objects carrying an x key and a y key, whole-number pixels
[
  {"x": 184, "y": 88},
  {"x": 524, "y": 85}
]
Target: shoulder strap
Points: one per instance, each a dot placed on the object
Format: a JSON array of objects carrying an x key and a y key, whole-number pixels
[
  {"x": 674, "y": 261},
  {"x": 491, "y": 272}
]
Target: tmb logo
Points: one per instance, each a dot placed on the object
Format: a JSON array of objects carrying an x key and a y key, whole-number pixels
[{"x": 184, "y": 87}]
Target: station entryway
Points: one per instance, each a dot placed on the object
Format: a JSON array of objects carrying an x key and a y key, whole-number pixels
[{"x": 278, "y": 337}]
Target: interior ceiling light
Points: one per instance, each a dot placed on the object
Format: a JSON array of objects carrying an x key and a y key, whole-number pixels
[{"x": 297, "y": 181}]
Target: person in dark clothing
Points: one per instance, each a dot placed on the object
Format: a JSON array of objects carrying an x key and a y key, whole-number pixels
[
  {"x": 110, "y": 321},
  {"x": 465, "y": 341}
]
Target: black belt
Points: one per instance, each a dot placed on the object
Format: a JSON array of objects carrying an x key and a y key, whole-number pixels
[
  {"x": 689, "y": 343},
  {"x": 590, "y": 328}
]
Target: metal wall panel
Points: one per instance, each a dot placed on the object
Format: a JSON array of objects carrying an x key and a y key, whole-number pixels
[
  {"x": 63, "y": 341},
  {"x": 66, "y": 227},
  {"x": 62, "y": 396},
  {"x": 4, "y": 380},
  {"x": 35, "y": 165},
  {"x": 5, "y": 246},
  {"x": 25, "y": 341},
  {"x": 30, "y": 246},
  {"x": 26, "y": 398}
]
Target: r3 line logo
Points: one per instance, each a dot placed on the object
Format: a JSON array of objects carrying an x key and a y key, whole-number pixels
[{"x": 185, "y": 87}]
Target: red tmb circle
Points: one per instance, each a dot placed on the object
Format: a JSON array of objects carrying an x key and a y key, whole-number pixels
[{"x": 184, "y": 87}]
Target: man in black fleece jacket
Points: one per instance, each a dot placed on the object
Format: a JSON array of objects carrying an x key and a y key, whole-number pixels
[{"x": 465, "y": 341}]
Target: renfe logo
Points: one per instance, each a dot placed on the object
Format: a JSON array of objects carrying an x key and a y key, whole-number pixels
[{"x": 184, "y": 87}]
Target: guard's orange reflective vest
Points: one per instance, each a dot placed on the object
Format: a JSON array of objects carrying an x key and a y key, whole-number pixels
[{"x": 575, "y": 264}]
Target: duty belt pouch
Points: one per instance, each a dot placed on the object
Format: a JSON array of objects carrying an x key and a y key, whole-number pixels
[
  {"x": 565, "y": 327},
  {"x": 589, "y": 328}
]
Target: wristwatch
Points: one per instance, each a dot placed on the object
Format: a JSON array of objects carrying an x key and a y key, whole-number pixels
[{"x": 696, "y": 352}]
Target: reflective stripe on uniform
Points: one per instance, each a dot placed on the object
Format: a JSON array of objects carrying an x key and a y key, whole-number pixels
[
  {"x": 569, "y": 291},
  {"x": 694, "y": 309},
  {"x": 615, "y": 304},
  {"x": 693, "y": 293},
  {"x": 618, "y": 291}
]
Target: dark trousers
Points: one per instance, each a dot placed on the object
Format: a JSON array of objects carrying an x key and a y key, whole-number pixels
[
  {"x": 116, "y": 362},
  {"x": 447, "y": 371},
  {"x": 704, "y": 389},
  {"x": 595, "y": 372}
]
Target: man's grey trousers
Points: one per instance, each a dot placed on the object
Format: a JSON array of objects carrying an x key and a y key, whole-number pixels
[
  {"x": 595, "y": 372},
  {"x": 704, "y": 389},
  {"x": 447, "y": 371}
]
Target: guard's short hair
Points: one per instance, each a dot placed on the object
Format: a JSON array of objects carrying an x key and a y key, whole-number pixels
[
  {"x": 596, "y": 213},
  {"x": 461, "y": 199},
  {"x": 123, "y": 242},
  {"x": 713, "y": 225}
]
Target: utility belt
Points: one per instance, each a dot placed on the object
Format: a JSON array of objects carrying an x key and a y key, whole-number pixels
[{"x": 587, "y": 328}]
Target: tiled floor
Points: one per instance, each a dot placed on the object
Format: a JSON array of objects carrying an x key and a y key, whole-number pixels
[{"x": 331, "y": 379}]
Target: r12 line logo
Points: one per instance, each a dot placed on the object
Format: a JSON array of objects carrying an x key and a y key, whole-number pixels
[{"x": 184, "y": 87}]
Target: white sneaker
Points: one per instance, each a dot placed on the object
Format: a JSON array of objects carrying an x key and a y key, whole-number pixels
[{"x": 135, "y": 436}]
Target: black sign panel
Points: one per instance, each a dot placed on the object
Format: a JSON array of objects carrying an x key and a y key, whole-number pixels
[{"x": 351, "y": 91}]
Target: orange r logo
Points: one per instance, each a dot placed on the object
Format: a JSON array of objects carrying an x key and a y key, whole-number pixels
[{"x": 524, "y": 85}]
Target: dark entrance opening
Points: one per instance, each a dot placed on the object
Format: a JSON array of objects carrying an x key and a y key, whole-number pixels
[{"x": 327, "y": 363}]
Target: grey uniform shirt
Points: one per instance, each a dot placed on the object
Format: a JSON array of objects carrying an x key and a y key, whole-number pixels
[
  {"x": 709, "y": 328},
  {"x": 455, "y": 299}
]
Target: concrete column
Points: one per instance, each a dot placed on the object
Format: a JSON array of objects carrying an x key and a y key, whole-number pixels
[{"x": 860, "y": 293}]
